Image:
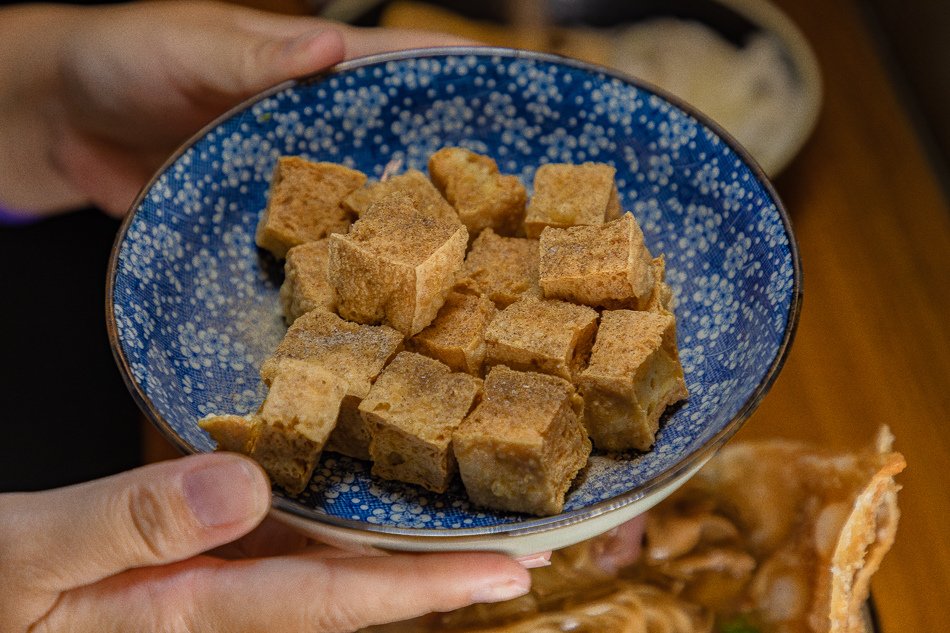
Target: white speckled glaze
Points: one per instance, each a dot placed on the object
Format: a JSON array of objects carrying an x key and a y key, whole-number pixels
[{"x": 193, "y": 307}]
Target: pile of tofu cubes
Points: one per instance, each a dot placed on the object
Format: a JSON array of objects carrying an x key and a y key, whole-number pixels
[{"x": 452, "y": 326}]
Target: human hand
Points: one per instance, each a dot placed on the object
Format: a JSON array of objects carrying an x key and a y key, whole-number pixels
[
  {"x": 130, "y": 83},
  {"x": 621, "y": 546},
  {"x": 137, "y": 552}
]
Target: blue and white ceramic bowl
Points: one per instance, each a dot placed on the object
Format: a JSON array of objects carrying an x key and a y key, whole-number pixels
[{"x": 193, "y": 311}]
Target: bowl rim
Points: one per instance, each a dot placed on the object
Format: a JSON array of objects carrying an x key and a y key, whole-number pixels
[{"x": 529, "y": 525}]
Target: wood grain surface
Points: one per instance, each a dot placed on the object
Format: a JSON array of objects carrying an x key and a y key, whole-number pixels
[{"x": 872, "y": 347}]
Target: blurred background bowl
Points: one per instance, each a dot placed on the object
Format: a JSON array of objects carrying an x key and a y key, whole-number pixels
[
  {"x": 193, "y": 308},
  {"x": 742, "y": 62}
]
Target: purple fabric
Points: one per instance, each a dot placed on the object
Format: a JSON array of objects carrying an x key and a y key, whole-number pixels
[{"x": 9, "y": 217}]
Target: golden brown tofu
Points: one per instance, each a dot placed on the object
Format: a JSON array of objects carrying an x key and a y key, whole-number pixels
[
  {"x": 660, "y": 298},
  {"x": 297, "y": 417},
  {"x": 633, "y": 375},
  {"x": 457, "y": 336},
  {"x": 523, "y": 444},
  {"x": 482, "y": 197},
  {"x": 305, "y": 203},
  {"x": 413, "y": 182},
  {"x": 354, "y": 352},
  {"x": 571, "y": 195},
  {"x": 305, "y": 286},
  {"x": 396, "y": 265},
  {"x": 607, "y": 265},
  {"x": 413, "y": 409},
  {"x": 552, "y": 337},
  {"x": 235, "y": 433},
  {"x": 504, "y": 269},
  {"x": 352, "y": 435}
]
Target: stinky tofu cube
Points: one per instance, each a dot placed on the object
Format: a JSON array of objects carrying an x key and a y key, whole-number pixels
[
  {"x": 354, "y": 352},
  {"x": 352, "y": 434},
  {"x": 413, "y": 408},
  {"x": 660, "y": 298},
  {"x": 504, "y": 269},
  {"x": 523, "y": 444},
  {"x": 396, "y": 265},
  {"x": 552, "y": 337},
  {"x": 457, "y": 336},
  {"x": 305, "y": 286},
  {"x": 482, "y": 197},
  {"x": 305, "y": 203},
  {"x": 633, "y": 375},
  {"x": 572, "y": 195},
  {"x": 607, "y": 265},
  {"x": 413, "y": 182},
  {"x": 297, "y": 417},
  {"x": 235, "y": 433}
]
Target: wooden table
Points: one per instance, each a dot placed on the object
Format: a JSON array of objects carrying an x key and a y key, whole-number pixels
[{"x": 872, "y": 347}]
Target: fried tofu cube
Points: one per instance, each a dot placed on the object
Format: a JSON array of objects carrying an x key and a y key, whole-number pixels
[
  {"x": 354, "y": 352},
  {"x": 633, "y": 375},
  {"x": 413, "y": 408},
  {"x": 297, "y": 417},
  {"x": 504, "y": 269},
  {"x": 523, "y": 444},
  {"x": 305, "y": 203},
  {"x": 413, "y": 182},
  {"x": 482, "y": 197},
  {"x": 235, "y": 433},
  {"x": 396, "y": 265},
  {"x": 305, "y": 286},
  {"x": 352, "y": 435},
  {"x": 607, "y": 265},
  {"x": 457, "y": 336},
  {"x": 660, "y": 298},
  {"x": 552, "y": 337},
  {"x": 571, "y": 195}
]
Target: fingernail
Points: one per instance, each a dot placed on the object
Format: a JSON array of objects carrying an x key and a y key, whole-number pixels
[
  {"x": 538, "y": 560},
  {"x": 222, "y": 493},
  {"x": 500, "y": 591}
]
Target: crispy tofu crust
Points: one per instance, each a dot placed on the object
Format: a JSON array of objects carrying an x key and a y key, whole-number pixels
[
  {"x": 414, "y": 183},
  {"x": 523, "y": 444},
  {"x": 633, "y": 375},
  {"x": 235, "y": 433},
  {"x": 552, "y": 337},
  {"x": 504, "y": 269},
  {"x": 413, "y": 409},
  {"x": 482, "y": 197},
  {"x": 305, "y": 286},
  {"x": 297, "y": 417},
  {"x": 305, "y": 203},
  {"x": 457, "y": 336},
  {"x": 396, "y": 265},
  {"x": 571, "y": 195},
  {"x": 606, "y": 266},
  {"x": 356, "y": 352}
]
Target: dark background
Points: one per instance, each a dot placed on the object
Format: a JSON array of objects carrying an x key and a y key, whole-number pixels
[{"x": 66, "y": 413}]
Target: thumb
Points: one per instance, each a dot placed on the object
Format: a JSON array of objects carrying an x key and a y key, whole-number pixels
[
  {"x": 268, "y": 60},
  {"x": 150, "y": 516}
]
